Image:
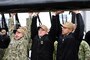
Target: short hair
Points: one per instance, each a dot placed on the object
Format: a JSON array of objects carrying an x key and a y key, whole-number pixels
[{"x": 69, "y": 25}]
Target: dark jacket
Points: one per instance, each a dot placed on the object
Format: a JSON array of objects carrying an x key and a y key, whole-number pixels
[
  {"x": 68, "y": 46},
  {"x": 42, "y": 48},
  {"x": 4, "y": 41},
  {"x": 87, "y": 37}
]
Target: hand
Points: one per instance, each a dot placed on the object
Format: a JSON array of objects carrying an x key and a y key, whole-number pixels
[
  {"x": 59, "y": 12},
  {"x": 35, "y": 14},
  {"x": 12, "y": 14},
  {"x": 76, "y": 11},
  {"x": 30, "y": 13}
]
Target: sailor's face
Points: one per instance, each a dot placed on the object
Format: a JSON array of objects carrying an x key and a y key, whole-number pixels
[
  {"x": 65, "y": 30},
  {"x": 18, "y": 35},
  {"x": 41, "y": 32}
]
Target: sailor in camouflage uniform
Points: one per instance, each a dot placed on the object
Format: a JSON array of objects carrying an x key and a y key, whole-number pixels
[
  {"x": 17, "y": 49},
  {"x": 84, "y": 51}
]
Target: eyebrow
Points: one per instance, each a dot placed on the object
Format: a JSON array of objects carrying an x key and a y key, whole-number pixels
[{"x": 64, "y": 27}]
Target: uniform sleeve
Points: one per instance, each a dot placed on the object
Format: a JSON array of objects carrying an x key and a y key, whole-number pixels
[
  {"x": 80, "y": 27},
  {"x": 34, "y": 30},
  {"x": 28, "y": 23},
  {"x": 55, "y": 26},
  {"x": 84, "y": 52},
  {"x": 11, "y": 26},
  {"x": 6, "y": 41}
]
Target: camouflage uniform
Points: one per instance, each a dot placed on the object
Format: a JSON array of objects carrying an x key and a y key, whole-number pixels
[
  {"x": 17, "y": 49},
  {"x": 28, "y": 23},
  {"x": 55, "y": 50},
  {"x": 84, "y": 51},
  {"x": 2, "y": 51}
]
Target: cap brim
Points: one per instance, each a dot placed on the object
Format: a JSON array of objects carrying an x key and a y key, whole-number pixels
[
  {"x": 38, "y": 27},
  {"x": 41, "y": 28},
  {"x": 64, "y": 25}
]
